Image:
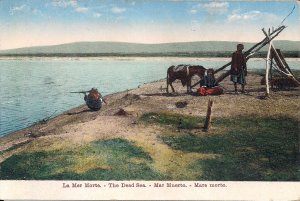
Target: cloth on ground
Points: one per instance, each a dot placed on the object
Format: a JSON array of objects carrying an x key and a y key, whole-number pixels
[{"x": 204, "y": 91}]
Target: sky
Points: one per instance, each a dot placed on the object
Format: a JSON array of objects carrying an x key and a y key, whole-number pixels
[{"x": 25, "y": 23}]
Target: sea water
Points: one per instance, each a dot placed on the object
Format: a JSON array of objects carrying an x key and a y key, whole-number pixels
[{"x": 32, "y": 89}]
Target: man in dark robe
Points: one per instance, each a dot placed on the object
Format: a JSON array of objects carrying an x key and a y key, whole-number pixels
[
  {"x": 238, "y": 69},
  {"x": 209, "y": 85},
  {"x": 94, "y": 99},
  {"x": 209, "y": 79}
]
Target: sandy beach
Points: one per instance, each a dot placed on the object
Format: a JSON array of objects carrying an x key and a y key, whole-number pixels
[{"x": 123, "y": 117}]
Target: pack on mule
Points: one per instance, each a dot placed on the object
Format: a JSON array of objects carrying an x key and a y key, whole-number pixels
[{"x": 184, "y": 73}]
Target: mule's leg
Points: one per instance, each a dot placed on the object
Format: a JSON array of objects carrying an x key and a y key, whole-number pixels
[
  {"x": 167, "y": 85},
  {"x": 188, "y": 86},
  {"x": 172, "y": 87},
  {"x": 167, "y": 82}
]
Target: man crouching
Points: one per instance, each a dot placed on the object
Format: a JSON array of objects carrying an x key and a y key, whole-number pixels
[{"x": 94, "y": 99}]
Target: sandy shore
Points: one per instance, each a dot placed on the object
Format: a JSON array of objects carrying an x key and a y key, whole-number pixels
[{"x": 80, "y": 125}]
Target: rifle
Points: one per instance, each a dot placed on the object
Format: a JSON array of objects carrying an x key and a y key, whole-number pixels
[{"x": 79, "y": 92}]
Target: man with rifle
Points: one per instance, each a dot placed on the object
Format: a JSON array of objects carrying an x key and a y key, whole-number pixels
[{"x": 93, "y": 99}]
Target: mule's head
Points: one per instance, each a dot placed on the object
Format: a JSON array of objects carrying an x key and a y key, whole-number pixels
[{"x": 199, "y": 70}]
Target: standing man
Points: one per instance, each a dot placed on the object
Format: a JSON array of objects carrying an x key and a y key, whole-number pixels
[{"x": 238, "y": 69}]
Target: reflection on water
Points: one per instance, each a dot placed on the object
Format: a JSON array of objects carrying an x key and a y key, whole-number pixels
[{"x": 34, "y": 89}]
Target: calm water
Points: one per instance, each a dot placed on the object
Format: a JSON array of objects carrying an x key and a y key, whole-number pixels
[{"x": 34, "y": 89}]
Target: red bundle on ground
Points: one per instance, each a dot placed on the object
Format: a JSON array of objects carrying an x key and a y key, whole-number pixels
[{"x": 204, "y": 91}]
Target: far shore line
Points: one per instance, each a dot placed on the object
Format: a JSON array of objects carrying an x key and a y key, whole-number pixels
[{"x": 127, "y": 58}]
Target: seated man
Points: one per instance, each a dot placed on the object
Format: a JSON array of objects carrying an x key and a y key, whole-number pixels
[
  {"x": 209, "y": 85},
  {"x": 94, "y": 99},
  {"x": 209, "y": 79}
]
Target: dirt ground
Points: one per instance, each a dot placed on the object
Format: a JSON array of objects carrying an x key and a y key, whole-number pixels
[{"x": 80, "y": 125}]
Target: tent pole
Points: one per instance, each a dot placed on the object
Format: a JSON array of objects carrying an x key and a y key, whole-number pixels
[{"x": 268, "y": 64}]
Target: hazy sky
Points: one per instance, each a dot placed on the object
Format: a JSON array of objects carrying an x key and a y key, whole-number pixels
[{"x": 46, "y": 22}]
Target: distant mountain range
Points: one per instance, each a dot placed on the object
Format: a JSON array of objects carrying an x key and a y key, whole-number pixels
[{"x": 121, "y": 48}]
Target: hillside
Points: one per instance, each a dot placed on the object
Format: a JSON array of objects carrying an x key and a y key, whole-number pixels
[{"x": 138, "y": 48}]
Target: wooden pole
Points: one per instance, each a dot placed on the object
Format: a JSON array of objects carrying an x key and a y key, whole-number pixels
[
  {"x": 208, "y": 115},
  {"x": 223, "y": 76},
  {"x": 268, "y": 69},
  {"x": 252, "y": 50},
  {"x": 282, "y": 65},
  {"x": 283, "y": 60},
  {"x": 271, "y": 65}
]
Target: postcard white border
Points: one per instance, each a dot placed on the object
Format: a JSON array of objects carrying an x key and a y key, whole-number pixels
[{"x": 57, "y": 190}]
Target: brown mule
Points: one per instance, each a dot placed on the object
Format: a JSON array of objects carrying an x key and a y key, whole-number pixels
[{"x": 184, "y": 73}]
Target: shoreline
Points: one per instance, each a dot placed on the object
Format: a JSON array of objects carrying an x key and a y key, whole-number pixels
[
  {"x": 72, "y": 109},
  {"x": 82, "y": 106},
  {"x": 121, "y": 58},
  {"x": 25, "y": 132},
  {"x": 125, "y": 58},
  {"x": 132, "y": 118}
]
